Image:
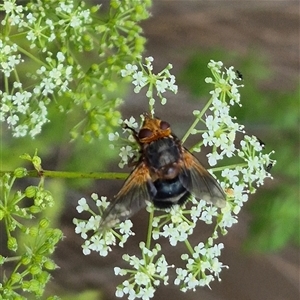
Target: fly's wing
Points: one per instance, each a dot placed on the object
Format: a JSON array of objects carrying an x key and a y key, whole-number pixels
[
  {"x": 199, "y": 182},
  {"x": 137, "y": 189}
]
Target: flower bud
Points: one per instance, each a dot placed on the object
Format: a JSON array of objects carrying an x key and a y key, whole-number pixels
[
  {"x": 12, "y": 243},
  {"x": 87, "y": 105},
  {"x": 20, "y": 172},
  {"x": 95, "y": 8},
  {"x": 44, "y": 223},
  {"x": 139, "y": 9},
  {"x": 33, "y": 231},
  {"x": 26, "y": 259},
  {"x": 50, "y": 265},
  {"x": 15, "y": 278},
  {"x": 32, "y": 285},
  {"x": 34, "y": 209},
  {"x": 95, "y": 126},
  {"x": 35, "y": 269},
  {"x": 36, "y": 160},
  {"x": 30, "y": 191}
]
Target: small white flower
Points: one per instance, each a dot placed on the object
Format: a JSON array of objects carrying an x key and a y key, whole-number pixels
[
  {"x": 199, "y": 250},
  {"x": 113, "y": 136},
  {"x": 141, "y": 278},
  {"x": 126, "y": 153},
  {"x": 213, "y": 158},
  {"x": 95, "y": 197},
  {"x": 117, "y": 270},
  {"x": 191, "y": 282},
  {"x": 20, "y": 131},
  {"x": 80, "y": 228},
  {"x": 206, "y": 280},
  {"x": 172, "y": 86},
  {"x": 75, "y": 21},
  {"x": 125, "y": 227},
  {"x": 227, "y": 219},
  {"x": 129, "y": 69},
  {"x": 119, "y": 292},
  {"x": 147, "y": 293},
  {"x": 162, "y": 266},
  {"x": 149, "y": 61},
  {"x": 208, "y": 80},
  {"x": 181, "y": 275},
  {"x": 140, "y": 79},
  {"x": 212, "y": 123},
  {"x": 60, "y": 56},
  {"x": 208, "y": 214},
  {"x": 161, "y": 85},
  {"x": 132, "y": 123},
  {"x": 12, "y": 120},
  {"x": 93, "y": 223},
  {"x": 209, "y": 138},
  {"x": 86, "y": 248},
  {"x": 82, "y": 205},
  {"x": 215, "y": 66}
]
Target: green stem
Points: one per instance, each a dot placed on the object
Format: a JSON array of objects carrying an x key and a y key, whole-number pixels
[
  {"x": 149, "y": 232},
  {"x": 198, "y": 118},
  {"x": 62, "y": 174},
  {"x": 14, "y": 258},
  {"x": 33, "y": 57},
  {"x": 189, "y": 246},
  {"x": 227, "y": 167}
]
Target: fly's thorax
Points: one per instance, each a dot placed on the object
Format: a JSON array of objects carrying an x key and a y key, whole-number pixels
[{"x": 162, "y": 154}]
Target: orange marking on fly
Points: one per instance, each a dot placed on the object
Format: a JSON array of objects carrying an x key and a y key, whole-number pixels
[{"x": 153, "y": 129}]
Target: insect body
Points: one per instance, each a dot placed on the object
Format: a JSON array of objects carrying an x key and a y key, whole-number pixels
[
  {"x": 239, "y": 75},
  {"x": 166, "y": 174}
]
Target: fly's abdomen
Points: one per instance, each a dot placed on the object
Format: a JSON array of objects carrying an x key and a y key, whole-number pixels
[{"x": 169, "y": 193}]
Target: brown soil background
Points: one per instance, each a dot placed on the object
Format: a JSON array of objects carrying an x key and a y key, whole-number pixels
[{"x": 176, "y": 29}]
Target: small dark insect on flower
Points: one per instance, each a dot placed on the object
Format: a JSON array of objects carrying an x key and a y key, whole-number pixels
[
  {"x": 239, "y": 75},
  {"x": 270, "y": 165},
  {"x": 166, "y": 174},
  {"x": 263, "y": 145}
]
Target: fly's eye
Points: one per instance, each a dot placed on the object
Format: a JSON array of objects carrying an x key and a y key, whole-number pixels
[
  {"x": 144, "y": 133},
  {"x": 164, "y": 125}
]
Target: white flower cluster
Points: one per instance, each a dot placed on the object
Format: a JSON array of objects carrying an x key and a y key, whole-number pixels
[
  {"x": 221, "y": 127},
  {"x": 177, "y": 232},
  {"x": 69, "y": 21},
  {"x": 26, "y": 112},
  {"x": 24, "y": 109},
  {"x": 162, "y": 82},
  {"x": 9, "y": 58},
  {"x": 257, "y": 162},
  {"x": 56, "y": 77},
  {"x": 95, "y": 240},
  {"x": 173, "y": 225},
  {"x": 201, "y": 268},
  {"x": 178, "y": 223},
  {"x": 241, "y": 180},
  {"x": 75, "y": 19},
  {"x": 131, "y": 149},
  {"x": 14, "y": 11},
  {"x": 146, "y": 274}
]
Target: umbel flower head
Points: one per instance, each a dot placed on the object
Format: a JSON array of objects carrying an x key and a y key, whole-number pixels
[
  {"x": 42, "y": 62},
  {"x": 201, "y": 263}
]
